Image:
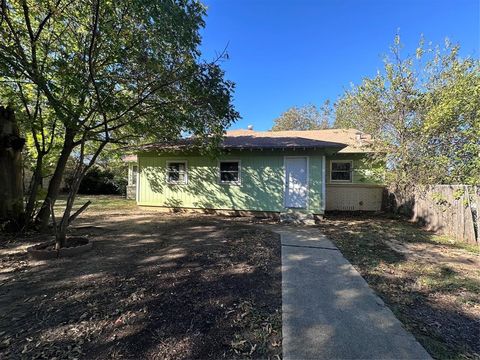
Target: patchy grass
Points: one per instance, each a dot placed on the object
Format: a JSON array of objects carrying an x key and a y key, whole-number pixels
[
  {"x": 446, "y": 240},
  {"x": 431, "y": 283},
  {"x": 155, "y": 285},
  {"x": 100, "y": 203}
]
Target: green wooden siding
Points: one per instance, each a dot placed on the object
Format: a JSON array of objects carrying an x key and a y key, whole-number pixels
[{"x": 261, "y": 188}]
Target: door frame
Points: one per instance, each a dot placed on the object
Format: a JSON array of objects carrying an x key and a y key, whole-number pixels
[{"x": 285, "y": 158}]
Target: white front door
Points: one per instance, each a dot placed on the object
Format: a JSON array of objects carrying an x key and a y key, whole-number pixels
[{"x": 296, "y": 182}]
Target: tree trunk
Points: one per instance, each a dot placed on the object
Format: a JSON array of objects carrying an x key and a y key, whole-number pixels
[
  {"x": 11, "y": 187},
  {"x": 61, "y": 230},
  {"x": 61, "y": 233},
  {"x": 55, "y": 182},
  {"x": 33, "y": 188},
  {"x": 61, "y": 239}
]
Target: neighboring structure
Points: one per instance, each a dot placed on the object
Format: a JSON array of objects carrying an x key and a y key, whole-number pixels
[
  {"x": 132, "y": 179},
  {"x": 303, "y": 171}
]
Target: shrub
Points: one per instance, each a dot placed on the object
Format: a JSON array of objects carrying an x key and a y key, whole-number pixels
[{"x": 100, "y": 182}]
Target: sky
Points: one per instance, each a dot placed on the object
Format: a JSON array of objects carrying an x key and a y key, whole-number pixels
[{"x": 297, "y": 52}]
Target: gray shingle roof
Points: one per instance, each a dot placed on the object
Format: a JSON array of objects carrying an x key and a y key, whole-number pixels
[
  {"x": 340, "y": 140},
  {"x": 251, "y": 142},
  {"x": 291, "y": 142}
]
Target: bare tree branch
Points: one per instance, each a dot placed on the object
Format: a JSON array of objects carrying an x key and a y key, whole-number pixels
[{"x": 78, "y": 212}]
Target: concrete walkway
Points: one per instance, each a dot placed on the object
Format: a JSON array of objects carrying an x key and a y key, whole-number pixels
[{"x": 329, "y": 312}]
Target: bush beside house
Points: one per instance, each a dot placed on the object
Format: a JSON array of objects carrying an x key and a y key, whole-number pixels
[{"x": 99, "y": 181}]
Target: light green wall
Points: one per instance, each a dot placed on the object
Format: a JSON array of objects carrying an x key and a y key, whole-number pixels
[
  {"x": 363, "y": 172},
  {"x": 261, "y": 189}
]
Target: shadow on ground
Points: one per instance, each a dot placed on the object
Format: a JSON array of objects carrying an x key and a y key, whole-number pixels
[
  {"x": 432, "y": 287},
  {"x": 154, "y": 286}
]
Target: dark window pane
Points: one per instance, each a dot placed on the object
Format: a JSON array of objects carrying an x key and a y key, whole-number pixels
[
  {"x": 177, "y": 177},
  {"x": 341, "y": 166},
  {"x": 229, "y": 171},
  {"x": 229, "y": 166},
  {"x": 173, "y": 176},
  {"x": 229, "y": 176},
  {"x": 176, "y": 172},
  {"x": 341, "y": 175},
  {"x": 176, "y": 166}
]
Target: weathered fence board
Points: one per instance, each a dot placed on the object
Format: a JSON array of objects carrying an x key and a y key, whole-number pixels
[{"x": 453, "y": 210}]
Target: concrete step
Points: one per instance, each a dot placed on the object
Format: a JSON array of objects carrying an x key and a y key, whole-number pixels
[{"x": 297, "y": 218}]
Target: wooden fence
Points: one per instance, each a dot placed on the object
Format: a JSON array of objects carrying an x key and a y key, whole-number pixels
[{"x": 452, "y": 210}]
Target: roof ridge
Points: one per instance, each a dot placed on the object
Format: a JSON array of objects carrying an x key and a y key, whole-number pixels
[{"x": 279, "y": 131}]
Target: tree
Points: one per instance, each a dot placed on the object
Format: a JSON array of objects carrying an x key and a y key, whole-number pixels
[
  {"x": 98, "y": 181},
  {"x": 423, "y": 111},
  {"x": 111, "y": 72},
  {"x": 451, "y": 124},
  {"x": 39, "y": 125},
  {"x": 11, "y": 190},
  {"x": 307, "y": 117}
]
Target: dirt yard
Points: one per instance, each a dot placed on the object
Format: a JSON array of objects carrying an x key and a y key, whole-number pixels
[
  {"x": 431, "y": 283},
  {"x": 155, "y": 286}
]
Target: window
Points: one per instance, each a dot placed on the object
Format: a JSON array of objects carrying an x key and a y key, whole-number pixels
[
  {"x": 177, "y": 172},
  {"x": 133, "y": 180},
  {"x": 230, "y": 172},
  {"x": 341, "y": 171}
]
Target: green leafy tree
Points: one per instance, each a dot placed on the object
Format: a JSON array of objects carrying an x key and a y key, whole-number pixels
[
  {"x": 307, "y": 117},
  {"x": 111, "y": 72},
  {"x": 43, "y": 137},
  {"x": 422, "y": 110},
  {"x": 451, "y": 120}
]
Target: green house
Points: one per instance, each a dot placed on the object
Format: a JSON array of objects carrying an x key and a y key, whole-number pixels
[{"x": 269, "y": 172}]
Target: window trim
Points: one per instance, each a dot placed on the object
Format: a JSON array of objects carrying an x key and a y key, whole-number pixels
[
  {"x": 168, "y": 162},
  {"x": 351, "y": 171},
  {"x": 219, "y": 177}
]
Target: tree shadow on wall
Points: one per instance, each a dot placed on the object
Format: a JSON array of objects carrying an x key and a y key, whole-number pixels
[{"x": 259, "y": 190}]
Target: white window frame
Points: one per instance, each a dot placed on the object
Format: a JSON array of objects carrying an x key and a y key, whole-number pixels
[
  {"x": 219, "y": 179},
  {"x": 168, "y": 162},
  {"x": 351, "y": 171}
]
